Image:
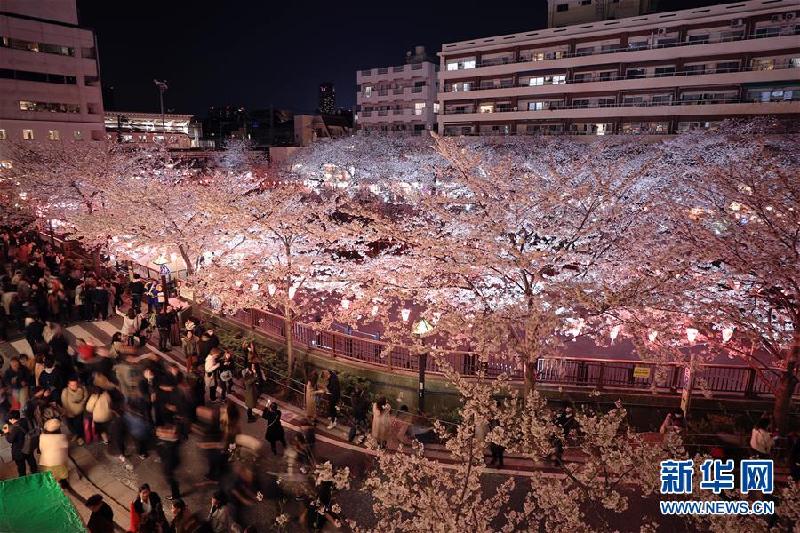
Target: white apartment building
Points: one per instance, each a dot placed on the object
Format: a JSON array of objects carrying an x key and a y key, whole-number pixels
[
  {"x": 49, "y": 75},
  {"x": 651, "y": 74},
  {"x": 399, "y": 99}
]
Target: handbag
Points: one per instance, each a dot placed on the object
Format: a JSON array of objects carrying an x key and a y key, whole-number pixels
[{"x": 88, "y": 430}]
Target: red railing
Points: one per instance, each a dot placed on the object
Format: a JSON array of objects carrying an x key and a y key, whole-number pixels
[{"x": 592, "y": 373}]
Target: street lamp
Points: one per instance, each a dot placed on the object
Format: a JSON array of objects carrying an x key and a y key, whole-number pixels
[
  {"x": 422, "y": 328},
  {"x": 162, "y": 88},
  {"x": 686, "y": 397}
]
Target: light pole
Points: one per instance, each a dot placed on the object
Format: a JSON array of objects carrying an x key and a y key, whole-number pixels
[
  {"x": 686, "y": 397},
  {"x": 422, "y": 328},
  {"x": 162, "y": 88}
]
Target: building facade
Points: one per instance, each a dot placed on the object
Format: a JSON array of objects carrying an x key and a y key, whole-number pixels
[
  {"x": 175, "y": 132},
  {"x": 562, "y": 13},
  {"x": 651, "y": 74},
  {"x": 399, "y": 99},
  {"x": 49, "y": 75}
]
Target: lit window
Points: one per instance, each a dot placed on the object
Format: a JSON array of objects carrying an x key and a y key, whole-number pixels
[
  {"x": 486, "y": 108},
  {"x": 77, "y": 135},
  {"x": 27, "y": 135},
  {"x": 459, "y": 64},
  {"x": 54, "y": 135},
  {"x": 538, "y": 80},
  {"x": 25, "y": 105},
  {"x": 127, "y": 137},
  {"x": 2, "y": 135},
  {"x": 367, "y": 91},
  {"x": 557, "y": 80},
  {"x": 535, "y": 106},
  {"x": 436, "y": 107},
  {"x": 419, "y": 108}
]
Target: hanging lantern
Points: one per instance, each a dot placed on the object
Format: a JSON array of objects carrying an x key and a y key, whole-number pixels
[
  {"x": 652, "y": 336},
  {"x": 691, "y": 334},
  {"x": 271, "y": 289},
  {"x": 405, "y": 313},
  {"x": 374, "y": 310},
  {"x": 292, "y": 291},
  {"x": 238, "y": 283},
  {"x": 614, "y": 333},
  {"x": 727, "y": 334},
  {"x": 254, "y": 287},
  {"x": 345, "y": 303}
]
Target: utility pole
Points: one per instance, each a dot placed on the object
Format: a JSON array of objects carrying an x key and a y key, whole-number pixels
[{"x": 162, "y": 88}]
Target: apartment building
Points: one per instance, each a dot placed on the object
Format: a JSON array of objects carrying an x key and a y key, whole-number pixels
[
  {"x": 175, "y": 132},
  {"x": 399, "y": 99},
  {"x": 567, "y": 12},
  {"x": 651, "y": 74},
  {"x": 49, "y": 74}
]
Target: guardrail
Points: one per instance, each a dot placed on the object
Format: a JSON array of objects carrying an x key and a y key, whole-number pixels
[{"x": 579, "y": 372}]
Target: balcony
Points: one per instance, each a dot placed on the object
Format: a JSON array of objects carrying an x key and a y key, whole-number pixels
[
  {"x": 637, "y": 47},
  {"x": 614, "y": 76}
]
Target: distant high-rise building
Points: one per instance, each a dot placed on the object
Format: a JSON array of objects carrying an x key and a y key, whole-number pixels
[
  {"x": 327, "y": 98},
  {"x": 49, "y": 77}
]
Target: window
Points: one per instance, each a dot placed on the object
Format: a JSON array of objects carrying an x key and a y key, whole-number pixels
[
  {"x": 367, "y": 91},
  {"x": 54, "y": 135},
  {"x": 535, "y": 106},
  {"x": 559, "y": 79},
  {"x": 538, "y": 80},
  {"x": 635, "y": 73},
  {"x": 27, "y": 135},
  {"x": 586, "y": 2},
  {"x": 486, "y": 108},
  {"x": 77, "y": 135},
  {"x": 728, "y": 66},
  {"x": 26, "y": 105},
  {"x": 2, "y": 135},
  {"x": 419, "y": 108},
  {"x": 436, "y": 107},
  {"x": 562, "y": 7},
  {"x": 698, "y": 38},
  {"x": 461, "y": 64},
  {"x": 19, "y": 44},
  {"x": 763, "y": 64}
]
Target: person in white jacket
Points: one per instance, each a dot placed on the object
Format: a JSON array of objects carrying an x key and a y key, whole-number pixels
[
  {"x": 54, "y": 446},
  {"x": 131, "y": 323},
  {"x": 99, "y": 405},
  {"x": 211, "y": 369}
]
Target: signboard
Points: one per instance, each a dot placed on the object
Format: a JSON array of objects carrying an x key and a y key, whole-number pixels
[{"x": 641, "y": 372}]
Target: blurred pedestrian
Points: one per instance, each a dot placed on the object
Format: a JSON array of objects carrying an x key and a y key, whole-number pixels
[{"x": 274, "y": 433}]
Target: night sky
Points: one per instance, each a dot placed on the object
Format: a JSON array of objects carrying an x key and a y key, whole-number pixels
[{"x": 258, "y": 53}]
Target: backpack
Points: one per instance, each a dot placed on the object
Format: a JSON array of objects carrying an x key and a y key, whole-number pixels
[{"x": 31, "y": 441}]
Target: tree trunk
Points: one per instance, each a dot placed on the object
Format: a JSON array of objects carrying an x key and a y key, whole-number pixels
[
  {"x": 186, "y": 259},
  {"x": 786, "y": 386},
  {"x": 96, "y": 260},
  {"x": 530, "y": 376}
]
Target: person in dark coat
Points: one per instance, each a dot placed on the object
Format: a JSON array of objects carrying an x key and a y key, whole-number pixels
[
  {"x": 34, "y": 333},
  {"x": 146, "y": 511},
  {"x": 102, "y": 518},
  {"x": 15, "y": 430},
  {"x": 360, "y": 405},
  {"x": 334, "y": 395},
  {"x": 274, "y": 432},
  {"x": 170, "y": 454}
]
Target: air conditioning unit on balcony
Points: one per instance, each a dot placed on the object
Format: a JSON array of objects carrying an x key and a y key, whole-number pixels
[
  {"x": 661, "y": 31},
  {"x": 789, "y": 16},
  {"x": 777, "y": 18},
  {"x": 737, "y": 23}
]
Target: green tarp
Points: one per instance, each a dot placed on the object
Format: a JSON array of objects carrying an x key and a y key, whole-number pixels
[{"x": 36, "y": 504}]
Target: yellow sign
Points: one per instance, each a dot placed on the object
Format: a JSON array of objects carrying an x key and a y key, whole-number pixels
[{"x": 641, "y": 372}]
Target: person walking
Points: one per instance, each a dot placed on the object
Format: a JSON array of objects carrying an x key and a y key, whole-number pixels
[
  {"x": 146, "y": 511},
  {"x": 102, "y": 518},
  {"x": 169, "y": 452},
  {"x": 220, "y": 515},
  {"x": 73, "y": 401},
  {"x": 53, "y": 448},
  {"x": 131, "y": 325},
  {"x": 334, "y": 395},
  {"x": 381, "y": 421},
  {"x": 274, "y": 433},
  {"x": 99, "y": 408},
  {"x": 761, "y": 441},
  {"x": 251, "y": 389},
  {"x": 211, "y": 368},
  {"x": 136, "y": 288},
  {"x": 164, "y": 320},
  {"x": 190, "y": 350},
  {"x": 34, "y": 333},
  {"x": 311, "y": 393},
  {"x": 15, "y": 431},
  {"x": 360, "y": 407},
  {"x": 226, "y": 372}
]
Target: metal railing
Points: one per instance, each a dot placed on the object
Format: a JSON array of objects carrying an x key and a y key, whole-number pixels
[
  {"x": 615, "y": 76},
  {"x": 705, "y": 101},
  {"x": 579, "y": 372}
]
